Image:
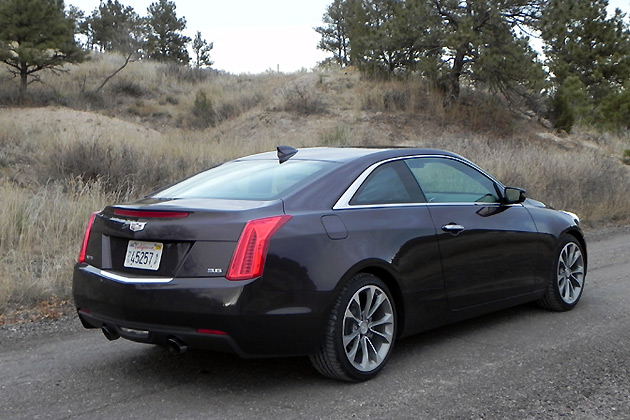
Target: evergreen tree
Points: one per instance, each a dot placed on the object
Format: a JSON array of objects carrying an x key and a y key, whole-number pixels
[
  {"x": 36, "y": 35},
  {"x": 202, "y": 49},
  {"x": 569, "y": 103},
  {"x": 164, "y": 39},
  {"x": 481, "y": 40},
  {"x": 588, "y": 54},
  {"x": 383, "y": 36},
  {"x": 334, "y": 36},
  {"x": 113, "y": 26},
  {"x": 446, "y": 40},
  {"x": 77, "y": 16}
]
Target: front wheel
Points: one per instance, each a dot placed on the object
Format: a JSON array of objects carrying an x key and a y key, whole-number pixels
[
  {"x": 361, "y": 331},
  {"x": 567, "y": 278}
]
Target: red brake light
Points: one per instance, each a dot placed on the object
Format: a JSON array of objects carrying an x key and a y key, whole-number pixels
[
  {"x": 251, "y": 250},
  {"x": 151, "y": 214},
  {"x": 86, "y": 237},
  {"x": 211, "y": 332}
]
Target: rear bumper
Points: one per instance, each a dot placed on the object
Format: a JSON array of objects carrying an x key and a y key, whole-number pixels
[{"x": 208, "y": 313}]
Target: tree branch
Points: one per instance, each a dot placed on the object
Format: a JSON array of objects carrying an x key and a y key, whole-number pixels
[{"x": 108, "y": 78}]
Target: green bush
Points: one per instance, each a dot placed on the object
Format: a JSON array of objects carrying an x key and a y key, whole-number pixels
[
  {"x": 614, "y": 112},
  {"x": 570, "y": 104},
  {"x": 203, "y": 111}
]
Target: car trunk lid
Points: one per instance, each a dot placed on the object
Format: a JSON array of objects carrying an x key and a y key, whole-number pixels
[{"x": 171, "y": 238}]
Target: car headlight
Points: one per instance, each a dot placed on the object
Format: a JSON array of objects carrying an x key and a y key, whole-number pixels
[{"x": 572, "y": 215}]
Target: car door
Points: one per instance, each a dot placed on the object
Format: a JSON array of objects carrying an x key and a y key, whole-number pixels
[
  {"x": 388, "y": 220},
  {"x": 488, "y": 249}
]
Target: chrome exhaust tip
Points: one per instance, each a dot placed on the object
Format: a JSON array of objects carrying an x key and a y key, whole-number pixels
[
  {"x": 176, "y": 346},
  {"x": 110, "y": 333}
]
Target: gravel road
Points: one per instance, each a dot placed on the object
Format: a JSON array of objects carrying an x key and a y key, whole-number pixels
[{"x": 522, "y": 363}]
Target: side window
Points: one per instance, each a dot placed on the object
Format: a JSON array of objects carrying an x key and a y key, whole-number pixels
[
  {"x": 449, "y": 181},
  {"x": 390, "y": 183}
]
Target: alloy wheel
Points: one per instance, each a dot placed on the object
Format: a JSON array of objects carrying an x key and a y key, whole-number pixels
[
  {"x": 570, "y": 273},
  {"x": 368, "y": 328}
]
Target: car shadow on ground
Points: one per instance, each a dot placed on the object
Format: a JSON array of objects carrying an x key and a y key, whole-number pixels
[{"x": 230, "y": 372}]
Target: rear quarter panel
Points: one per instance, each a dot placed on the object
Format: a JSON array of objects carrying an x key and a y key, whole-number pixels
[{"x": 398, "y": 244}]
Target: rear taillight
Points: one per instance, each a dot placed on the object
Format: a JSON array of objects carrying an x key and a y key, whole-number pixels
[
  {"x": 86, "y": 237},
  {"x": 210, "y": 332},
  {"x": 249, "y": 257}
]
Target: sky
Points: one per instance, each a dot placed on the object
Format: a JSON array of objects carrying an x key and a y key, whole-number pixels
[
  {"x": 253, "y": 36},
  {"x": 249, "y": 36}
]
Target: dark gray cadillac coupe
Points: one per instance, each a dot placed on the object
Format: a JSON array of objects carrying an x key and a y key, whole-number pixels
[{"x": 330, "y": 253}]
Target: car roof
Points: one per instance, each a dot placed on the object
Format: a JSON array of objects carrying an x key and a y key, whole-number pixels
[{"x": 347, "y": 154}]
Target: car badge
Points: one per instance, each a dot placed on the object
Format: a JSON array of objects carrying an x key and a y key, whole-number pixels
[{"x": 136, "y": 226}]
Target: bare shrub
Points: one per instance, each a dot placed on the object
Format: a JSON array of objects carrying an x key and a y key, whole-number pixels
[
  {"x": 482, "y": 115},
  {"x": 396, "y": 100},
  {"x": 117, "y": 167},
  {"x": 9, "y": 94},
  {"x": 477, "y": 113},
  {"x": 92, "y": 100},
  {"x": 232, "y": 109},
  {"x": 128, "y": 87},
  {"x": 185, "y": 74},
  {"x": 302, "y": 99},
  {"x": 337, "y": 136},
  {"x": 147, "y": 110},
  {"x": 170, "y": 99},
  {"x": 393, "y": 95},
  {"x": 93, "y": 160}
]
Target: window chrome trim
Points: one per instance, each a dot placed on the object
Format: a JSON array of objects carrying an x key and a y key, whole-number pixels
[
  {"x": 453, "y": 204},
  {"x": 123, "y": 279},
  {"x": 344, "y": 201}
]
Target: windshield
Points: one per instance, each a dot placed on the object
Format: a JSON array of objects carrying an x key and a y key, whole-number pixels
[{"x": 248, "y": 180}]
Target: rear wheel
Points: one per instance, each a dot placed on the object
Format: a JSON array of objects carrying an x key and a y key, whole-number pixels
[
  {"x": 567, "y": 278},
  {"x": 361, "y": 331}
]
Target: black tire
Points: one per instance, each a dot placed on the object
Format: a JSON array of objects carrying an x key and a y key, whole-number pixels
[
  {"x": 567, "y": 277},
  {"x": 361, "y": 331}
]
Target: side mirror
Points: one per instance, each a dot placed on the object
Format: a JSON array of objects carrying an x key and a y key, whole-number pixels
[{"x": 514, "y": 195}]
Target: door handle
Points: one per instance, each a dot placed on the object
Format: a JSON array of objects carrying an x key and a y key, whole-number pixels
[{"x": 453, "y": 228}]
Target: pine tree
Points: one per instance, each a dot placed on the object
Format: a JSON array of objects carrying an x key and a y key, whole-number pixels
[
  {"x": 164, "y": 39},
  {"x": 36, "y": 35},
  {"x": 382, "y": 39},
  {"x": 588, "y": 53},
  {"x": 202, "y": 49},
  {"x": 447, "y": 41},
  {"x": 334, "y": 35},
  {"x": 114, "y": 27},
  {"x": 481, "y": 40}
]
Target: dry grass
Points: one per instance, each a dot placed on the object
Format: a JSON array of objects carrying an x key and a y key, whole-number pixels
[
  {"x": 60, "y": 163},
  {"x": 34, "y": 262},
  {"x": 53, "y": 175}
]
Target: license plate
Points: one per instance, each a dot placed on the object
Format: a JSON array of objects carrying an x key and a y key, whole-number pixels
[{"x": 144, "y": 255}]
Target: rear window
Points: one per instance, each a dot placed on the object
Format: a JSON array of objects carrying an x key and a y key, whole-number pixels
[{"x": 248, "y": 180}]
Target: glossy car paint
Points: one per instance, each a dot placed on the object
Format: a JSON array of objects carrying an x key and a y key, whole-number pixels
[{"x": 503, "y": 257}]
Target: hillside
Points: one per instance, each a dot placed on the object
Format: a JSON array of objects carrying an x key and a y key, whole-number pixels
[{"x": 70, "y": 150}]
